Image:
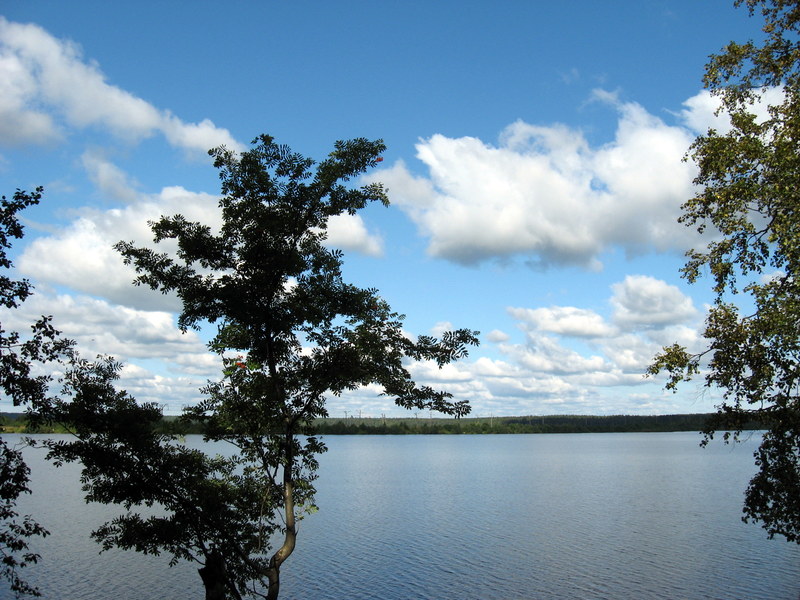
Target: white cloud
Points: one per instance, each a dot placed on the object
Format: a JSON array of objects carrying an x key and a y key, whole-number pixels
[
  {"x": 630, "y": 352},
  {"x": 430, "y": 372},
  {"x": 573, "y": 360},
  {"x": 564, "y": 320},
  {"x": 348, "y": 232},
  {"x": 172, "y": 393},
  {"x": 641, "y": 301},
  {"x": 20, "y": 122},
  {"x": 100, "y": 327},
  {"x": 545, "y": 195},
  {"x": 700, "y": 111},
  {"x": 544, "y": 354},
  {"x": 160, "y": 363},
  {"x": 109, "y": 179},
  {"x": 47, "y": 85},
  {"x": 689, "y": 336},
  {"x": 766, "y": 278},
  {"x": 699, "y": 114},
  {"x": 570, "y": 361},
  {"x": 496, "y": 336},
  {"x": 82, "y": 258},
  {"x": 487, "y": 367},
  {"x": 440, "y": 328}
]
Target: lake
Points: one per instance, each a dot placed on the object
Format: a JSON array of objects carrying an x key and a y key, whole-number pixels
[{"x": 483, "y": 517}]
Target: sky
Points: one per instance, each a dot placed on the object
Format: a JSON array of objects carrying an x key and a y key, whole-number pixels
[{"x": 534, "y": 165}]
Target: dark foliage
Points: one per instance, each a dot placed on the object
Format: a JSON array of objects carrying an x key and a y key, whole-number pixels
[
  {"x": 290, "y": 331},
  {"x": 204, "y": 506},
  {"x": 748, "y": 199},
  {"x": 512, "y": 425},
  {"x": 20, "y": 356}
]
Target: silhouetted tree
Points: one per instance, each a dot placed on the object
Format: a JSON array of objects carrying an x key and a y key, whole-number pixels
[
  {"x": 290, "y": 332},
  {"x": 749, "y": 196}
]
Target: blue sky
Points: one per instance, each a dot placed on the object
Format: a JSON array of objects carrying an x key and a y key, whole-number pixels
[{"x": 534, "y": 166}]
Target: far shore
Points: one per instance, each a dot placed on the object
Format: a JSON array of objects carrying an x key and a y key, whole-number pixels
[{"x": 352, "y": 425}]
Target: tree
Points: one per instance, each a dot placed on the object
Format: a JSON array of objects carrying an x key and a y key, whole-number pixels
[
  {"x": 19, "y": 358},
  {"x": 206, "y": 508},
  {"x": 125, "y": 460},
  {"x": 290, "y": 332},
  {"x": 749, "y": 197}
]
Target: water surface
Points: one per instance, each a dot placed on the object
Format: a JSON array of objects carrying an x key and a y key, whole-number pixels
[{"x": 494, "y": 517}]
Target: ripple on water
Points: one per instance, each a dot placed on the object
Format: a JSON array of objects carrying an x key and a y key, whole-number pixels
[{"x": 615, "y": 516}]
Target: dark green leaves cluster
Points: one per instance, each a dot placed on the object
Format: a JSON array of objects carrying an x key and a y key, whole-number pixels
[{"x": 749, "y": 201}]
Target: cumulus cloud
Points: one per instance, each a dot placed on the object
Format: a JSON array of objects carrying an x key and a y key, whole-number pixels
[
  {"x": 20, "y": 122},
  {"x": 570, "y": 360},
  {"x": 544, "y": 194},
  {"x": 440, "y": 328},
  {"x": 647, "y": 313},
  {"x": 102, "y": 327},
  {"x": 496, "y": 336},
  {"x": 700, "y": 114},
  {"x": 564, "y": 320},
  {"x": 160, "y": 363},
  {"x": 573, "y": 360},
  {"x": 430, "y": 372},
  {"x": 545, "y": 354},
  {"x": 47, "y": 86},
  {"x": 641, "y": 301},
  {"x": 81, "y": 256},
  {"x": 348, "y": 232},
  {"x": 629, "y": 352},
  {"x": 171, "y": 393}
]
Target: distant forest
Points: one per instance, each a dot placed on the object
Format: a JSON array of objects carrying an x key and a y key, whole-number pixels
[
  {"x": 10, "y": 422},
  {"x": 527, "y": 424}
]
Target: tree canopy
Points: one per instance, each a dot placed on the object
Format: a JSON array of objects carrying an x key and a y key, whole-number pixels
[
  {"x": 748, "y": 201},
  {"x": 205, "y": 508},
  {"x": 290, "y": 332}
]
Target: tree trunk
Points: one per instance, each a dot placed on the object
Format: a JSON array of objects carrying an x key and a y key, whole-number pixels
[
  {"x": 274, "y": 578},
  {"x": 213, "y": 576},
  {"x": 290, "y": 537}
]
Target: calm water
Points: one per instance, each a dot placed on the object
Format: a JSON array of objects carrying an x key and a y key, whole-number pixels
[{"x": 616, "y": 516}]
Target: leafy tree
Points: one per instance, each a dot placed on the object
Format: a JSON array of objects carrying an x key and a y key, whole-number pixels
[
  {"x": 749, "y": 196},
  {"x": 206, "y": 508},
  {"x": 19, "y": 358},
  {"x": 290, "y": 331}
]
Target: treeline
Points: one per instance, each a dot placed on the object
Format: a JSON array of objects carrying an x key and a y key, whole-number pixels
[
  {"x": 526, "y": 424},
  {"x": 10, "y": 422}
]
